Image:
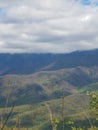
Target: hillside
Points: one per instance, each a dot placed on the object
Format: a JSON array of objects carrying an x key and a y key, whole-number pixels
[
  {"x": 46, "y": 85},
  {"x": 72, "y": 73},
  {"x": 35, "y": 79},
  {"x": 37, "y": 116}
]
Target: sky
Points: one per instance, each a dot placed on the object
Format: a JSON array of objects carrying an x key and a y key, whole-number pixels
[{"x": 48, "y": 26}]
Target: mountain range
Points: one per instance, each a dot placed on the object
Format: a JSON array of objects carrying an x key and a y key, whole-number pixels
[
  {"x": 40, "y": 77},
  {"x": 31, "y": 63},
  {"x": 34, "y": 79}
]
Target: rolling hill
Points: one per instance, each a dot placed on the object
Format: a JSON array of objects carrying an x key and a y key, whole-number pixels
[
  {"x": 46, "y": 85},
  {"x": 40, "y": 77},
  {"x": 34, "y": 79}
]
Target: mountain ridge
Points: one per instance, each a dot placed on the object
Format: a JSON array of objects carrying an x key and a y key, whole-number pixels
[{"x": 31, "y": 63}]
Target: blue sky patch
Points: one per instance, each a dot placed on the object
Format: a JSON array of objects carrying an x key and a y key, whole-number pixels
[{"x": 86, "y": 2}]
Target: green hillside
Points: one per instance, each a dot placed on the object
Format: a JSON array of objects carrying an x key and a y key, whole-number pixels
[
  {"x": 32, "y": 92},
  {"x": 46, "y": 85},
  {"x": 52, "y": 78},
  {"x": 37, "y": 116},
  {"x": 90, "y": 87}
]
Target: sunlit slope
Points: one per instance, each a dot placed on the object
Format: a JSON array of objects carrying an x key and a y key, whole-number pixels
[
  {"x": 37, "y": 116},
  {"x": 46, "y": 85}
]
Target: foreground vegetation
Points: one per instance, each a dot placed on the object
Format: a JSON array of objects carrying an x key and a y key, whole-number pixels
[{"x": 54, "y": 115}]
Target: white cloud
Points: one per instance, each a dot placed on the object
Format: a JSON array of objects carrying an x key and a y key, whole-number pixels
[{"x": 47, "y": 26}]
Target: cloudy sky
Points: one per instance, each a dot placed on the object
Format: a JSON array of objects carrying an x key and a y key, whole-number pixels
[{"x": 43, "y": 26}]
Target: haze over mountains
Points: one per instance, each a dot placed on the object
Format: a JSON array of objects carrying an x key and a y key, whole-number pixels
[{"x": 31, "y": 63}]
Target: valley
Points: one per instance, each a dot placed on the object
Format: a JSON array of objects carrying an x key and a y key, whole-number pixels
[{"x": 32, "y": 80}]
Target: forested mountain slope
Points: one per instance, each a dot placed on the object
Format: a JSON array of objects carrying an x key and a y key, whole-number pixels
[{"x": 31, "y": 63}]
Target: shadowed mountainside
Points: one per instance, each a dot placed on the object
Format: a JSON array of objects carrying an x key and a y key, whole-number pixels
[{"x": 31, "y": 63}]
